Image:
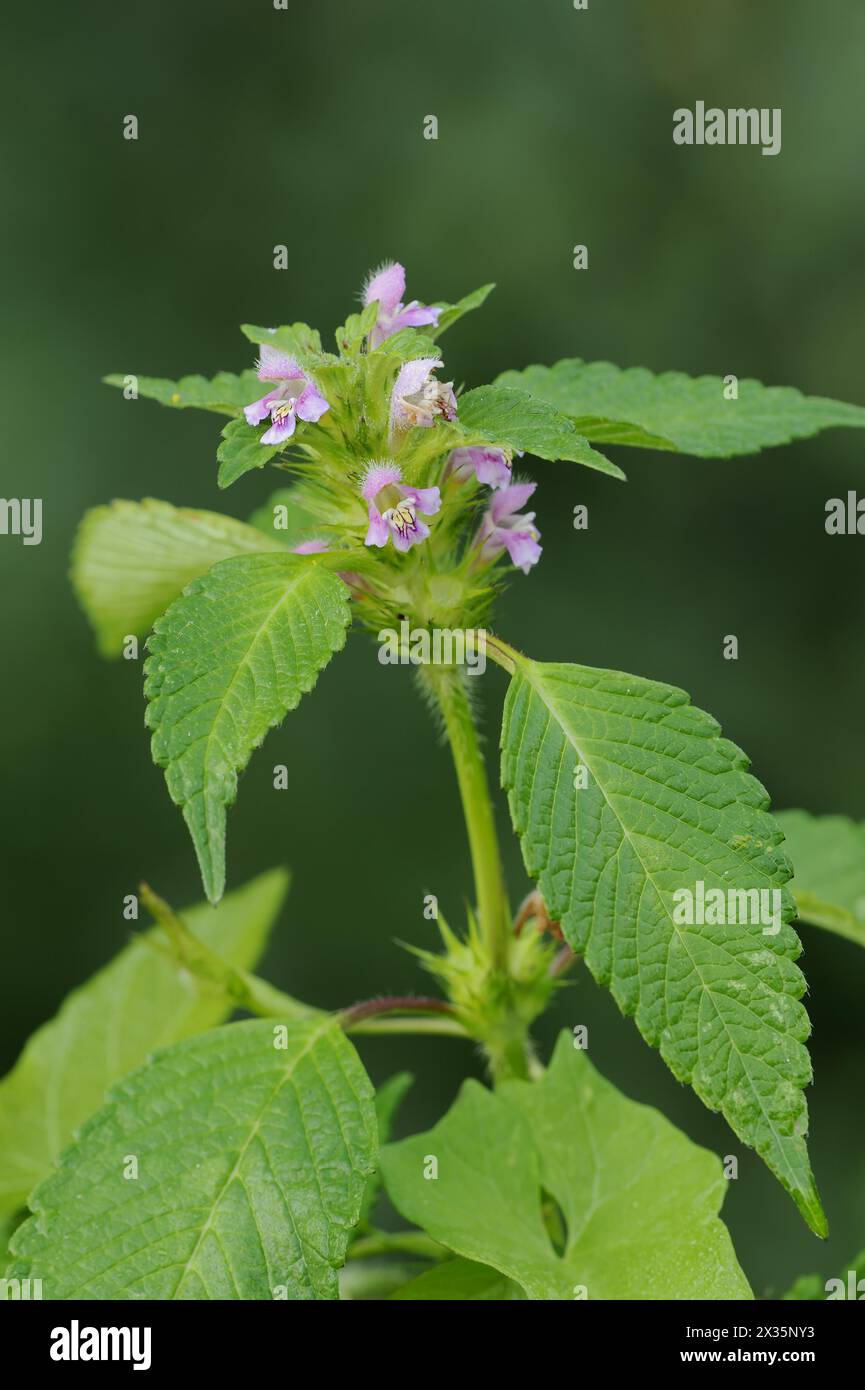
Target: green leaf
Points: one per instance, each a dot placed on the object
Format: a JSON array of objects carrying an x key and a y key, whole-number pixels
[
  {"x": 460, "y": 1281},
  {"x": 285, "y": 516},
  {"x": 388, "y": 1098},
  {"x": 846, "y": 1284},
  {"x": 407, "y": 344},
  {"x": 500, "y": 415},
  {"x": 828, "y": 855},
  {"x": 224, "y": 394},
  {"x": 668, "y": 804},
  {"x": 132, "y": 559},
  {"x": 351, "y": 336},
  {"x": 253, "y": 1146},
  {"x": 227, "y": 661},
  {"x": 639, "y": 1201},
  {"x": 241, "y": 450},
  {"x": 138, "y": 1002},
  {"x": 297, "y": 339},
  {"x": 673, "y": 411},
  {"x": 451, "y": 313}
]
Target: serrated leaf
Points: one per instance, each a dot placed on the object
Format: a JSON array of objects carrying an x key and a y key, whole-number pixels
[
  {"x": 407, "y": 344},
  {"x": 252, "y": 1159},
  {"x": 224, "y": 394},
  {"x": 460, "y": 1281},
  {"x": 501, "y": 415},
  {"x": 138, "y": 1002},
  {"x": 639, "y": 1201},
  {"x": 241, "y": 450},
  {"x": 668, "y": 804},
  {"x": 227, "y": 661},
  {"x": 297, "y": 339},
  {"x": 828, "y": 856},
  {"x": 132, "y": 559},
  {"x": 451, "y": 313},
  {"x": 612, "y": 405}
]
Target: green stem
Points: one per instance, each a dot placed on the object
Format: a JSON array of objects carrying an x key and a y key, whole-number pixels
[
  {"x": 403, "y": 1242},
  {"x": 440, "y": 1027},
  {"x": 491, "y": 899}
]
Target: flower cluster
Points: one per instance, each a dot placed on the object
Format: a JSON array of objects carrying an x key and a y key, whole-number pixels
[{"x": 390, "y": 440}]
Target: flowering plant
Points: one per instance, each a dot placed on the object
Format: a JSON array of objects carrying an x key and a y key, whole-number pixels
[{"x": 255, "y": 1150}]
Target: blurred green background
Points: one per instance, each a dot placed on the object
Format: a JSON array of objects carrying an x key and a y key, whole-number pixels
[{"x": 303, "y": 127}]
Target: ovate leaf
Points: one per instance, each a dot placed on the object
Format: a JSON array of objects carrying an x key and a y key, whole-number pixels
[
  {"x": 241, "y": 450},
  {"x": 502, "y": 415},
  {"x": 692, "y": 415},
  {"x": 639, "y": 1201},
  {"x": 132, "y": 559},
  {"x": 828, "y": 856},
  {"x": 668, "y": 806},
  {"x": 224, "y": 394},
  {"x": 252, "y": 1145},
  {"x": 227, "y": 662},
  {"x": 140, "y": 1000},
  {"x": 451, "y": 313}
]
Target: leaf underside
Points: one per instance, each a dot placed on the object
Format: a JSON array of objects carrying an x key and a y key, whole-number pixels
[
  {"x": 668, "y": 804},
  {"x": 252, "y": 1160},
  {"x": 638, "y": 1201},
  {"x": 227, "y": 661},
  {"x": 140, "y": 1001},
  {"x": 612, "y": 405},
  {"x": 132, "y": 559}
]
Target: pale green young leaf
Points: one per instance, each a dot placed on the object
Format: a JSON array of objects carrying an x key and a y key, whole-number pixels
[
  {"x": 639, "y": 1201},
  {"x": 502, "y": 415},
  {"x": 847, "y": 1283},
  {"x": 227, "y": 661},
  {"x": 139, "y": 1001},
  {"x": 298, "y": 340},
  {"x": 451, "y": 313},
  {"x": 612, "y": 405},
  {"x": 668, "y": 804},
  {"x": 828, "y": 857},
  {"x": 459, "y": 1281},
  {"x": 240, "y": 450},
  {"x": 350, "y": 336},
  {"x": 132, "y": 559},
  {"x": 224, "y": 394},
  {"x": 253, "y": 1145}
]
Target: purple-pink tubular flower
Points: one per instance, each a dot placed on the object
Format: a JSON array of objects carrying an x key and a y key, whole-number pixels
[
  {"x": 394, "y": 508},
  {"x": 417, "y": 396},
  {"x": 295, "y": 397},
  {"x": 504, "y": 528},
  {"x": 492, "y": 467},
  {"x": 387, "y": 285}
]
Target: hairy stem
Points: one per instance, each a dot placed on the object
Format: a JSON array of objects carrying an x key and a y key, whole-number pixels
[{"x": 491, "y": 899}]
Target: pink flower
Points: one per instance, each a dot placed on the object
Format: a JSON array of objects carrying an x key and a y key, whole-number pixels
[
  {"x": 296, "y": 397},
  {"x": 417, "y": 396},
  {"x": 383, "y": 488},
  {"x": 490, "y": 466},
  {"x": 387, "y": 285},
  {"x": 503, "y": 528}
]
